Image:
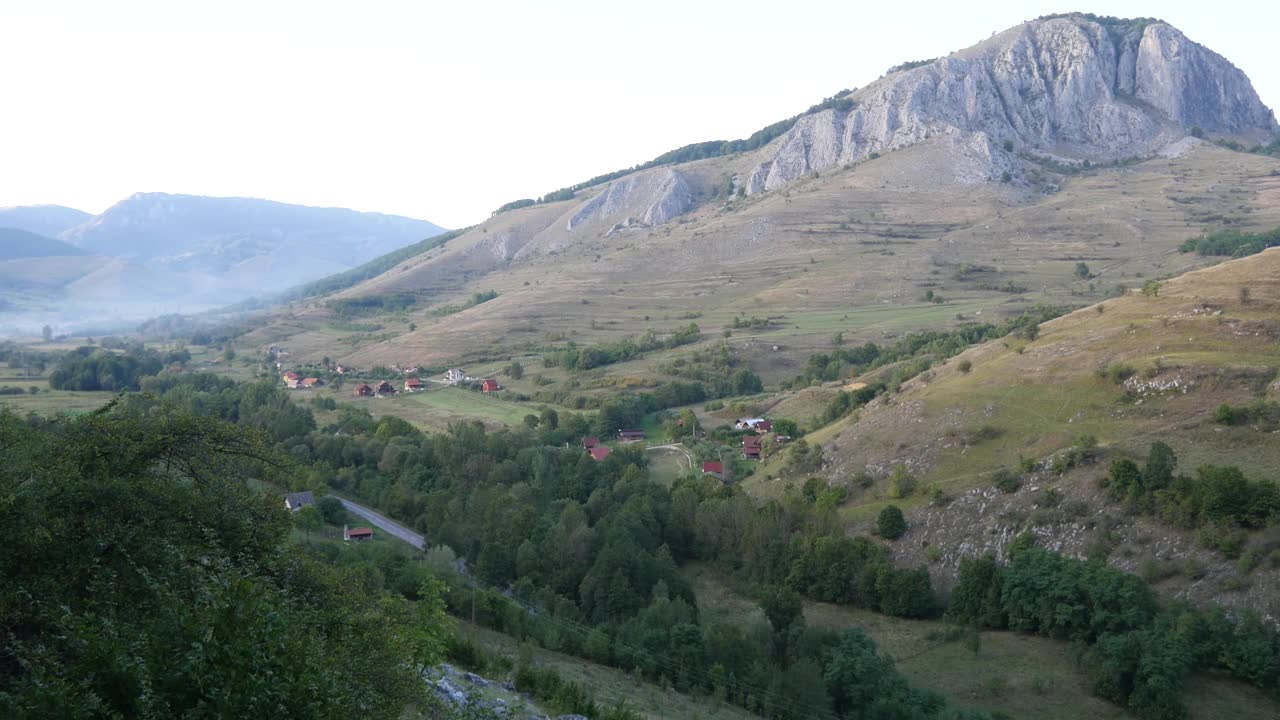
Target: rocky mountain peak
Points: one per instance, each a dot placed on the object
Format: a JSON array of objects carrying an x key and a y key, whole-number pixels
[{"x": 1071, "y": 87}]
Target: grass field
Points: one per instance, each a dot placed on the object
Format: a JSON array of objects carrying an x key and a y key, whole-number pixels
[
  {"x": 47, "y": 402},
  {"x": 1020, "y": 675},
  {"x": 436, "y": 407}
]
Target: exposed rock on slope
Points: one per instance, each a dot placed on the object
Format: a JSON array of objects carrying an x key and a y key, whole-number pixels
[
  {"x": 650, "y": 198},
  {"x": 1061, "y": 87}
]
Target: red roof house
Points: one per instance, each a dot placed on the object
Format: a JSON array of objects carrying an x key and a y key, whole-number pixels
[
  {"x": 385, "y": 388},
  {"x": 363, "y": 390},
  {"x": 751, "y": 447},
  {"x": 489, "y": 385},
  {"x": 291, "y": 375},
  {"x": 599, "y": 453},
  {"x": 311, "y": 383},
  {"x": 412, "y": 384},
  {"x": 590, "y": 442},
  {"x": 713, "y": 467},
  {"x": 357, "y": 534}
]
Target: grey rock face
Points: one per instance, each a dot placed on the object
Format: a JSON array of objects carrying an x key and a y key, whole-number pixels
[
  {"x": 1066, "y": 87},
  {"x": 651, "y": 198}
]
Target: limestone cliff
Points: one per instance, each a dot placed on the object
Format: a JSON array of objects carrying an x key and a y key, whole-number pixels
[
  {"x": 1066, "y": 87},
  {"x": 652, "y": 197}
]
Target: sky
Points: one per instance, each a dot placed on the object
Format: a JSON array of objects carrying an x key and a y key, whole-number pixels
[{"x": 445, "y": 110}]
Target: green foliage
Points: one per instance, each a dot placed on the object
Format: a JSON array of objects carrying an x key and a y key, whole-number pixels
[
  {"x": 976, "y": 597},
  {"x": 1047, "y": 594},
  {"x": 864, "y": 684},
  {"x": 926, "y": 347},
  {"x": 573, "y": 357},
  {"x": 515, "y": 205},
  {"x": 476, "y": 298},
  {"x": 1231, "y": 243},
  {"x": 372, "y": 304},
  {"x": 846, "y": 402},
  {"x": 1264, "y": 413},
  {"x": 87, "y": 368},
  {"x": 803, "y": 458},
  {"x": 890, "y": 523},
  {"x": 1216, "y": 495},
  {"x": 901, "y": 482},
  {"x": 153, "y": 583},
  {"x": 1006, "y": 481}
]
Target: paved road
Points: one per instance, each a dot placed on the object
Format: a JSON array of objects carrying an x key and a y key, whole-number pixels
[{"x": 385, "y": 523}]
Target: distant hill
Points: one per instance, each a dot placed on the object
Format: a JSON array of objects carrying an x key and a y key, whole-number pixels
[
  {"x": 217, "y": 233},
  {"x": 47, "y": 220},
  {"x": 155, "y": 253},
  {"x": 17, "y": 243}
]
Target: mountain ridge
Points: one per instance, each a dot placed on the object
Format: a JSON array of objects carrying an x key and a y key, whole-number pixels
[
  {"x": 46, "y": 220},
  {"x": 161, "y": 252}
]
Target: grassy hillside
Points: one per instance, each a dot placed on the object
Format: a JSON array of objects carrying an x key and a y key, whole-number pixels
[
  {"x": 1020, "y": 675},
  {"x": 1124, "y": 373},
  {"x": 854, "y": 252}
]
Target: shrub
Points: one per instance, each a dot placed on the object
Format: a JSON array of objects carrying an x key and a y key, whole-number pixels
[
  {"x": 965, "y": 366},
  {"x": 1006, "y": 481},
  {"x": 901, "y": 482},
  {"x": 890, "y": 523}
]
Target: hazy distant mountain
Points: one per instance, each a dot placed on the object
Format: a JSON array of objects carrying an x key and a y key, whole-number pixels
[
  {"x": 17, "y": 243},
  {"x": 47, "y": 220},
  {"x": 154, "y": 252}
]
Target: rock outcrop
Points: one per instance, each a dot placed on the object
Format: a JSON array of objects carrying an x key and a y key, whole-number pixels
[
  {"x": 648, "y": 198},
  {"x": 1066, "y": 87}
]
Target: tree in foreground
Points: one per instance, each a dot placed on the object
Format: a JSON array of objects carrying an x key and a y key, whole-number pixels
[{"x": 150, "y": 581}]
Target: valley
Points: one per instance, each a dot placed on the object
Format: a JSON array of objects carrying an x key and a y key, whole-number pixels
[{"x": 955, "y": 397}]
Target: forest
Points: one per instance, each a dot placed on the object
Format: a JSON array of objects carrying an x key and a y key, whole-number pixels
[{"x": 584, "y": 557}]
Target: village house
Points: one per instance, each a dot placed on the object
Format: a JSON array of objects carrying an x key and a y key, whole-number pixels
[
  {"x": 412, "y": 384},
  {"x": 630, "y": 435},
  {"x": 490, "y": 385},
  {"x": 590, "y": 442},
  {"x": 294, "y": 502},
  {"x": 751, "y": 446},
  {"x": 715, "y": 468},
  {"x": 599, "y": 453},
  {"x": 411, "y": 371},
  {"x": 757, "y": 424},
  {"x": 384, "y": 388},
  {"x": 363, "y": 390},
  {"x": 359, "y": 534},
  {"x": 291, "y": 379},
  {"x": 308, "y": 383},
  {"x": 454, "y": 375},
  {"x": 341, "y": 369}
]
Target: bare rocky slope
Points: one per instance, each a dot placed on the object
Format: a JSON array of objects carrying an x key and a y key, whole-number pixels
[{"x": 1068, "y": 88}]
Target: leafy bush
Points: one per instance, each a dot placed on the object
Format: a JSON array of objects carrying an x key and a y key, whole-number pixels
[
  {"x": 1232, "y": 243},
  {"x": 1006, "y": 481},
  {"x": 890, "y": 523}
]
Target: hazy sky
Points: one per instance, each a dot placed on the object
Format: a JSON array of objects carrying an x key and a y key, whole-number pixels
[{"x": 443, "y": 111}]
